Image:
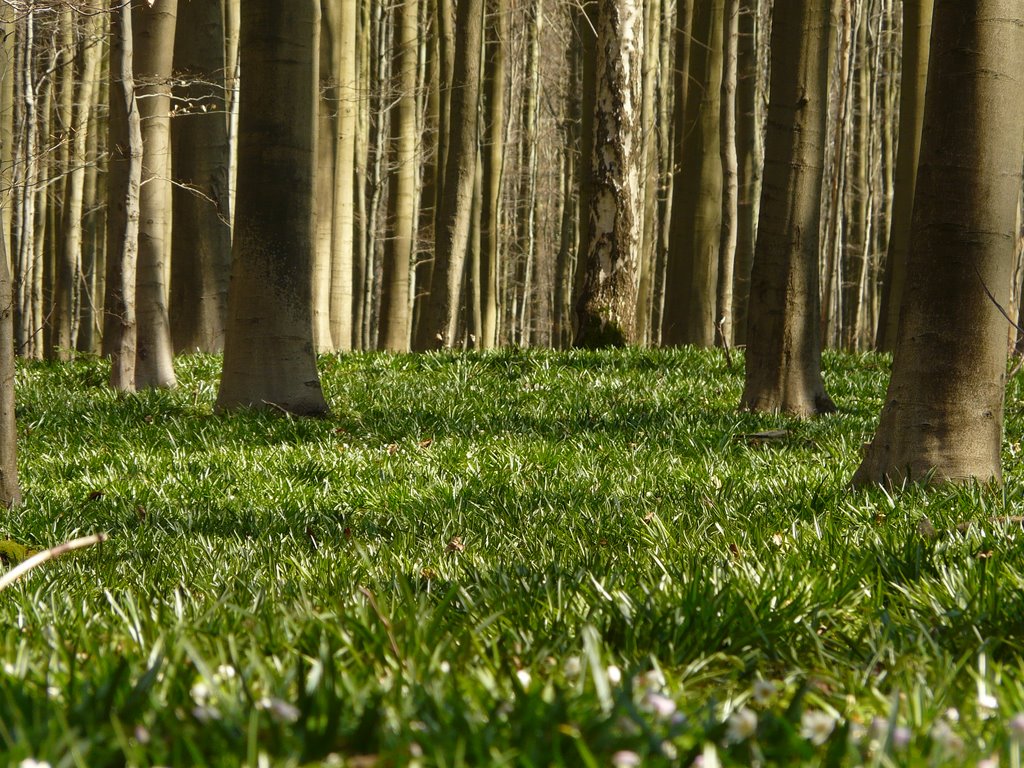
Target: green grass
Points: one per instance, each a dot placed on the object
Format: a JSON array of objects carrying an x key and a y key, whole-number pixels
[{"x": 444, "y": 571}]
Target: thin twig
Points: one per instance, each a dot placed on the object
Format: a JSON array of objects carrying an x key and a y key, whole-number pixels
[
  {"x": 48, "y": 554},
  {"x": 1020, "y": 358}
]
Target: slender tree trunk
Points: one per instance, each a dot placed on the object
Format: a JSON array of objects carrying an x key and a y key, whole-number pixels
[
  {"x": 342, "y": 312},
  {"x": 783, "y": 360},
  {"x": 10, "y": 489},
  {"x": 91, "y": 280},
  {"x": 154, "y": 29},
  {"x": 201, "y": 245},
  {"x": 326, "y": 175},
  {"x": 493, "y": 165},
  {"x": 10, "y": 73},
  {"x": 269, "y": 359},
  {"x": 651, "y": 178},
  {"x": 396, "y": 325},
  {"x": 943, "y": 414},
  {"x": 607, "y": 306},
  {"x": 70, "y": 263},
  {"x": 442, "y": 312},
  {"x": 730, "y": 174},
  {"x": 917, "y": 24},
  {"x": 124, "y": 177}
]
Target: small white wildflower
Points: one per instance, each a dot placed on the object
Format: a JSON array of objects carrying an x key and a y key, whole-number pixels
[
  {"x": 9, "y": 670},
  {"x": 31, "y": 762},
  {"x": 205, "y": 714},
  {"x": 652, "y": 680},
  {"x": 415, "y": 750},
  {"x": 141, "y": 734},
  {"x": 523, "y": 675},
  {"x": 816, "y": 726},
  {"x": 445, "y": 667},
  {"x": 279, "y": 710},
  {"x": 763, "y": 691},
  {"x": 1016, "y": 725},
  {"x": 200, "y": 692},
  {"x": 572, "y": 666},
  {"x": 901, "y": 736},
  {"x": 224, "y": 672},
  {"x": 987, "y": 705},
  {"x": 742, "y": 725},
  {"x": 662, "y": 706},
  {"x": 668, "y": 749},
  {"x": 53, "y": 692},
  {"x": 952, "y": 714},
  {"x": 992, "y": 761},
  {"x": 614, "y": 674},
  {"x": 625, "y": 759}
]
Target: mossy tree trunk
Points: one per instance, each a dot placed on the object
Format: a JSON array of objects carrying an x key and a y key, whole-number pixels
[{"x": 606, "y": 309}]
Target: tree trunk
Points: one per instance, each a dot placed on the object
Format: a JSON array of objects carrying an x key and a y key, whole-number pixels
[
  {"x": 154, "y": 32},
  {"x": 326, "y": 176},
  {"x": 395, "y": 322},
  {"x": 70, "y": 262},
  {"x": 730, "y": 174},
  {"x": 342, "y": 265},
  {"x": 124, "y": 176},
  {"x": 269, "y": 359},
  {"x": 697, "y": 202},
  {"x": 10, "y": 489},
  {"x": 442, "y": 310},
  {"x": 201, "y": 245},
  {"x": 606, "y": 309},
  {"x": 917, "y": 25},
  {"x": 783, "y": 360},
  {"x": 943, "y": 414}
]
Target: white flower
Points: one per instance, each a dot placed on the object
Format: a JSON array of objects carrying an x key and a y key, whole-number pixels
[
  {"x": 625, "y": 759},
  {"x": 992, "y": 761},
  {"x": 279, "y": 709},
  {"x": 662, "y": 706},
  {"x": 763, "y": 691},
  {"x": 653, "y": 680},
  {"x": 224, "y": 672},
  {"x": 205, "y": 714},
  {"x": 987, "y": 705},
  {"x": 614, "y": 674},
  {"x": 200, "y": 692},
  {"x": 31, "y": 762},
  {"x": 141, "y": 734},
  {"x": 953, "y": 715},
  {"x": 523, "y": 675},
  {"x": 445, "y": 667},
  {"x": 1016, "y": 725},
  {"x": 572, "y": 666},
  {"x": 742, "y": 725},
  {"x": 816, "y": 726}
]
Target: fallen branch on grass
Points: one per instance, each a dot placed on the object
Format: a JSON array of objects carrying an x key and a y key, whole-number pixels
[{"x": 48, "y": 554}]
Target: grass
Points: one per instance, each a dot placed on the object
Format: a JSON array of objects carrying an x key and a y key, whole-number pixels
[{"x": 517, "y": 558}]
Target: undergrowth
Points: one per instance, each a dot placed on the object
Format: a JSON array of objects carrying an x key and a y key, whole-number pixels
[{"x": 511, "y": 558}]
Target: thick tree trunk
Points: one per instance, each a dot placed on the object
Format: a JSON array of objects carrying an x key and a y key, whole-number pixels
[
  {"x": 943, "y": 413},
  {"x": 269, "y": 359},
  {"x": 154, "y": 34},
  {"x": 783, "y": 360},
  {"x": 201, "y": 245},
  {"x": 124, "y": 176},
  {"x": 917, "y": 25},
  {"x": 606, "y": 309}
]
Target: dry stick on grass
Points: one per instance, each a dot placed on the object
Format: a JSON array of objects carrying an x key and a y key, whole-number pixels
[{"x": 48, "y": 554}]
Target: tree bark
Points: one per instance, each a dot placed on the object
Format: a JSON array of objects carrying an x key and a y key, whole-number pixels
[
  {"x": 154, "y": 33},
  {"x": 124, "y": 176},
  {"x": 783, "y": 360},
  {"x": 606, "y": 309},
  {"x": 395, "y": 319},
  {"x": 917, "y": 25},
  {"x": 730, "y": 175},
  {"x": 269, "y": 359},
  {"x": 342, "y": 265},
  {"x": 201, "y": 245},
  {"x": 10, "y": 489},
  {"x": 943, "y": 413}
]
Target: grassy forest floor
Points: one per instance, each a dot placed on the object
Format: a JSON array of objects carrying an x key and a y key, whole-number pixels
[{"x": 518, "y": 558}]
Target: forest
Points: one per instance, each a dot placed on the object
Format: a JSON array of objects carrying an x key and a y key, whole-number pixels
[{"x": 511, "y": 382}]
